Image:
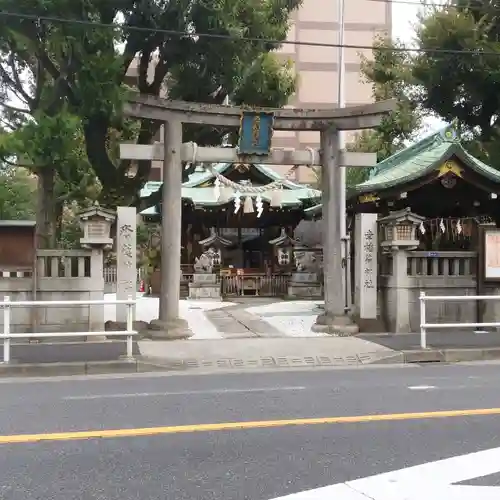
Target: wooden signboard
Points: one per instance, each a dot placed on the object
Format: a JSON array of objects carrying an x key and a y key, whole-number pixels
[{"x": 491, "y": 260}]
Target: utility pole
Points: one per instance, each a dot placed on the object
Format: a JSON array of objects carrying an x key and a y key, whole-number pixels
[{"x": 346, "y": 281}]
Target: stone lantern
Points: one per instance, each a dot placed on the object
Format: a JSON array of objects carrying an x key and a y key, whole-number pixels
[
  {"x": 400, "y": 230},
  {"x": 400, "y": 236},
  {"x": 283, "y": 246},
  {"x": 96, "y": 223}
]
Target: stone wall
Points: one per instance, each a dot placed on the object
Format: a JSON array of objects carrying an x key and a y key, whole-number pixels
[
  {"x": 60, "y": 275},
  {"x": 435, "y": 273}
]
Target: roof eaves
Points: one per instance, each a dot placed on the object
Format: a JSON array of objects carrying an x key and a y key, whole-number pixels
[
  {"x": 375, "y": 184},
  {"x": 477, "y": 165},
  {"x": 406, "y": 153}
]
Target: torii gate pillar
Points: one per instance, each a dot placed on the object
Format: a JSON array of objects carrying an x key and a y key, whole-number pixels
[
  {"x": 329, "y": 122},
  {"x": 334, "y": 320},
  {"x": 169, "y": 324}
]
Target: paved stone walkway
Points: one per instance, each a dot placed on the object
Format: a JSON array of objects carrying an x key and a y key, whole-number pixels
[
  {"x": 235, "y": 322},
  {"x": 255, "y": 317}
]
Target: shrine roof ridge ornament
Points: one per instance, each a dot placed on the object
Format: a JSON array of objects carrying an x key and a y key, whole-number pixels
[{"x": 349, "y": 118}]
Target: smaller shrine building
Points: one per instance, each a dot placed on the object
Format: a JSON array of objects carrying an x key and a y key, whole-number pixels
[{"x": 243, "y": 211}]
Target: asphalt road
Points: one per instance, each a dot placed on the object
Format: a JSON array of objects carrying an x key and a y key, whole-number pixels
[{"x": 258, "y": 463}]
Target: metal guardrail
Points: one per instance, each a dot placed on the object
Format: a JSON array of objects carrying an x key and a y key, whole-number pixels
[
  {"x": 450, "y": 298},
  {"x": 7, "y": 306}
]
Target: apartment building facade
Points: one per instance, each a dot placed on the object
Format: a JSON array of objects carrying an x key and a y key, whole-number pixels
[{"x": 317, "y": 67}]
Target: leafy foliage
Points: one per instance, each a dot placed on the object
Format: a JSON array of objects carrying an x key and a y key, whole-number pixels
[
  {"x": 461, "y": 87},
  {"x": 82, "y": 66},
  {"x": 390, "y": 74},
  {"x": 63, "y": 83},
  {"x": 17, "y": 190}
]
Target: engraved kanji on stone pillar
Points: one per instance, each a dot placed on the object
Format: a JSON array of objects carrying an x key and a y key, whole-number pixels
[{"x": 126, "y": 258}]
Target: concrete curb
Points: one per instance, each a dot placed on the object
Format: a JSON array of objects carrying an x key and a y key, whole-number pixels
[
  {"x": 144, "y": 365},
  {"x": 451, "y": 355},
  {"x": 76, "y": 368}
]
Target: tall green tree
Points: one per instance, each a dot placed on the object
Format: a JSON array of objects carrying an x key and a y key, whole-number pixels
[
  {"x": 51, "y": 147},
  {"x": 455, "y": 72},
  {"x": 86, "y": 66},
  {"x": 389, "y": 73},
  {"x": 462, "y": 84}
]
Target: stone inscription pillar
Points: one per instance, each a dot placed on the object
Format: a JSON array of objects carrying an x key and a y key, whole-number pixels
[
  {"x": 126, "y": 258},
  {"x": 366, "y": 250},
  {"x": 334, "y": 320},
  {"x": 169, "y": 325}
]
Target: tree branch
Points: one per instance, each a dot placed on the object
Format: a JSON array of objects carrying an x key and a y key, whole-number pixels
[
  {"x": 95, "y": 131},
  {"x": 142, "y": 77},
  {"x": 39, "y": 77},
  {"x": 12, "y": 84},
  {"x": 14, "y": 109},
  {"x": 16, "y": 79},
  {"x": 57, "y": 76},
  {"x": 21, "y": 165}
]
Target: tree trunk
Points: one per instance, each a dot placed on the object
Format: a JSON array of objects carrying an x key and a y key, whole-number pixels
[
  {"x": 46, "y": 211},
  {"x": 59, "y": 207}
]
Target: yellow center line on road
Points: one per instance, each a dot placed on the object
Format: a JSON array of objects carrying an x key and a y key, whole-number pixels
[{"x": 229, "y": 426}]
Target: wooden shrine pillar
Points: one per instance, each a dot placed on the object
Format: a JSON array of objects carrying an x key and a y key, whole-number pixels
[
  {"x": 334, "y": 320},
  {"x": 169, "y": 325}
]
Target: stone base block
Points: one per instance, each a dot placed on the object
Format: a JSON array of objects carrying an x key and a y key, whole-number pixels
[
  {"x": 114, "y": 326},
  {"x": 204, "y": 278},
  {"x": 337, "y": 326},
  {"x": 304, "y": 291},
  {"x": 172, "y": 329},
  {"x": 372, "y": 325},
  {"x": 204, "y": 291}
]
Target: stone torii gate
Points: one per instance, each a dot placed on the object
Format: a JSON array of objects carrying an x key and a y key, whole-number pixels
[{"x": 256, "y": 126}]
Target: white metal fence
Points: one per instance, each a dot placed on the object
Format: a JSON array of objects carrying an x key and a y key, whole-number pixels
[
  {"x": 450, "y": 298},
  {"x": 7, "y": 306}
]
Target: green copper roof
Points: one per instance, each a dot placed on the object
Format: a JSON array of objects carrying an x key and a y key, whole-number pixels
[
  {"x": 420, "y": 159},
  {"x": 292, "y": 193},
  {"x": 417, "y": 161}
]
